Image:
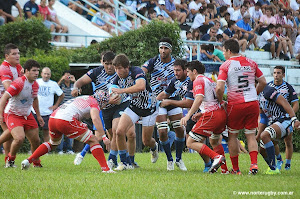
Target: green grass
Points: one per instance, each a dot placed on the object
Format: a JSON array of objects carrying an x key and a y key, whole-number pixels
[{"x": 59, "y": 178}]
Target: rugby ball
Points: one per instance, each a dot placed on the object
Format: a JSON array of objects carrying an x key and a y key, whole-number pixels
[{"x": 114, "y": 94}]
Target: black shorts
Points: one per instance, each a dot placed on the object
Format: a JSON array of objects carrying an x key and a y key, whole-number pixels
[
  {"x": 142, "y": 112},
  {"x": 112, "y": 113},
  {"x": 45, "y": 118},
  {"x": 267, "y": 47},
  {"x": 189, "y": 125}
]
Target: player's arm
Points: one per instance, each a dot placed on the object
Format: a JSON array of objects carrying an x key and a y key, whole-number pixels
[
  {"x": 262, "y": 124},
  {"x": 145, "y": 70},
  {"x": 35, "y": 106},
  {"x": 220, "y": 90},
  {"x": 19, "y": 10},
  {"x": 140, "y": 85},
  {"x": 185, "y": 103},
  {"x": 162, "y": 95},
  {"x": 84, "y": 80},
  {"x": 6, "y": 84},
  {"x": 287, "y": 107},
  {"x": 295, "y": 106},
  {"x": 97, "y": 121},
  {"x": 197, "y": 102},
  {"x": 3, "y": 102},
  {"x": 261, "y": 84}
]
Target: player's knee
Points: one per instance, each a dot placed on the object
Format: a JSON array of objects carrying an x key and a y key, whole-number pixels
[
  {"x": 162, "y": 125},
  {"x": 265, "y": 137},
  {"x": 176, "y": 124},
  {"x": 120, "y": 132},
  {"x": 55, "y": 142},
  {"x": 131, "y": 135},
  {"x": 146, "y": 142},
  {"x": 19, "y": 140}
]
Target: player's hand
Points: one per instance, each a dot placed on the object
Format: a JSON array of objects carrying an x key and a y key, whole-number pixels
[
  {"x": 257, "y": 137},
  {"x": 75, "y": 92},
  {"x": 53, "y": 107},
  {"x": 196, "y": 116},
  {"x": 297, "y": 125},
  {"x": 107, "y": 144},
  {"x": 184, "y": 120},
  {"x": 165, "y": 103},
  {"x": 41, "y": 121},
  {"x": 114, "y": 99}
]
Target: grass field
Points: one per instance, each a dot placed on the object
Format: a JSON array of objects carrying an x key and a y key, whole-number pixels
[{"x": 59, "y": 178}]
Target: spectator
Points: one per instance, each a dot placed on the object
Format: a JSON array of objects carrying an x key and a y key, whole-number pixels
[
  {"x": 255, "y": 13},
  {"x": 211, "y": 13},
  {"x": 286, "y": 42},
  {"x": 160, "y": 10},
  {"x": 212, "y": 33},
  {"x": 275, "y": 6},
  {"x": 200, "y": 21},
  {"x": 267, "y": 41},
  {"x": 230, "y": 32},
  {"x": 206, "y": 55},
  {"x": 97, "y": 4},
  {"x": 248, "y": 33},
  {"x": 285, "y": 4},
  {"x": 265, "y": 20},
  {"x": 47, "y": 89},
  {"x": 66, "y": 83},
  {"x": 224, "y": 21},
  {"x": 281, "y": 19},
  {"x": 292, "y": 22},
  {"x": 76, "y": 8},
  {"x": 264, "y": 3},
  {"x": 152, "y": 14},
  {"x": 182, "y": 6},
  {"x": 194, "y": 7},
  {"x": 297, "y": 48},
  {"x": 54, "y": 19},
  {"x": 238, "y": 14},
  {"x": 188, "y": 47},
  {"x": 2, "y": 19},
  {"x": 44, "y": 11},
  {"x": 129, "y": 23},
  {"x": 217, "y": 54},
  {"x": 175, "y": 14},
  {"x": 295, "y": 5},
  {"x": 6, "y": 6},
  {"x": 237, "y": 4},
  {"x": 30, "y": 9},
  {"x": 219, "y": 31},
  {"x": 98, "y": 21}
]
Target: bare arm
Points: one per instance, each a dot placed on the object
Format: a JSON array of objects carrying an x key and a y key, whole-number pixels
[
  {"x": 3, "y": 102},
  {"x": 185, "y": 103},
  {"x": 144, "y": 69},
  {"x": 19, "y": 9},
  {"x": 194, "y": 108},
  {"x": 220, "y": 90},
  {"x": 295, "y": 106},
  {"x": 35, "y": 106},
  {"x": 261, "y": 84},
  {"x": 162, "y": 95},
  {"x": 139, "y": 85},
  {"x": 59, "y": 100},
  {"x": 85, "y": 79},
  {"x": 97, "y": 121}
]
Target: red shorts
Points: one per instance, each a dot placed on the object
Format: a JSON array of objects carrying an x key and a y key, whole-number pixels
[
  {"x": 211, "y": 122},
  {"x": 13, "y": 121},
  {"x": 242, "y": 116},
  {"x": 71, "y": 129}
]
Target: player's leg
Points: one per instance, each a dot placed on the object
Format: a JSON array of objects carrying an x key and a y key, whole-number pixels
[
  {"x": 45, "y": 128},
  {"x": 175, "y": 117},
  {"x": 162, "y": 127},
  {"x": 34, "y": 139},
  {"x": 18, "y": 135},
  {"x": 288, "y": 151},
  {"x": 278, "y": 155},
  {"x": 215, "y": 141},
  {"x": 6, "y": 139},
  {"x": 131, "y": 145},
  {"x": 124, "y": 124}
]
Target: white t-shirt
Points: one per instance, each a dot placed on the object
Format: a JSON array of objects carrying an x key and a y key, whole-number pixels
[
  {"x": 198, "y": 21},
  {"x": 263, "y": 40},
  {"x": 237, "y": 15},
  {"x": 255, "y": 14},
  {"x": 52, "y": 14},
  {"x": 294, "y": 5},
  {"x": 297, "y": 44},
  {"x": 195, "y": 6},
  {"x": 46, "y": 95},
  {"x": 219, "y": 32}
]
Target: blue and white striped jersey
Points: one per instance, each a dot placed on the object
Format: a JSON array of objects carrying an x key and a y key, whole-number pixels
[
  {"x": 267, "y": 101},
  {"x": 143, "y": 99},
  {"x": 101, "y": 80},
  {"x": 286, "y": 90},
  {"x": 182, "y": 89},
  {"x": 160, "y": 73}
]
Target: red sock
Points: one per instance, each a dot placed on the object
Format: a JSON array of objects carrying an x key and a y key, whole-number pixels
[
  {"x": 11, "y": 157},
  {"x": 235, "y": 162},
  {"x": 220, "y": 150},
  {"x": 205, "y": 150},
  {"x": 5, "y": 158},
  {"x": 41, "y": 150},
  {"x": 253, "y": 157},
  {"x": 98, "y": 153}
]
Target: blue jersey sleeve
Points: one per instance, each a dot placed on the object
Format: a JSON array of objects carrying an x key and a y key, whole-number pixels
[
  {"x": 116, "y": 79},
  {"x": 93, "y": 73},
  {"x": 270, "y": 93},
  {"x": 137, "y": 73},
  {"x": 171, "y": 87},
  {"x": 149, "y": 65},
  {"x": 292, "y": 94},
  {"x": 189, "y": 93}
]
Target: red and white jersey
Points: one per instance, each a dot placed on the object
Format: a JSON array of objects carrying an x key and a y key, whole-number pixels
[
  {"x": 22, "y": 94},
  {"x": 9, "y": 73},
  {"x": 77, "y": 108},
  {"x": 207, "y": 88},
  {"x": 240, "y": 73}
]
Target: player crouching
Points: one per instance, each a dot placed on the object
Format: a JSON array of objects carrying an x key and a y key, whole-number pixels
[
  {"x": 212, "y": 119},
  {"x": 66, "y": 120}
]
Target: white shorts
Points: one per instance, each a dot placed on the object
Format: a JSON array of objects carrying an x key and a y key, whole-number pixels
[
  {"x": 146, "y": 121},
  {"x": 174, "y": 111}
]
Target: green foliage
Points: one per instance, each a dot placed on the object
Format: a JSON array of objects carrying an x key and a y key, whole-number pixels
[
  {"x": 27, "y": 35},
  {"x": 139, "y": 45},
  {"x": 55, "y": 60}
]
